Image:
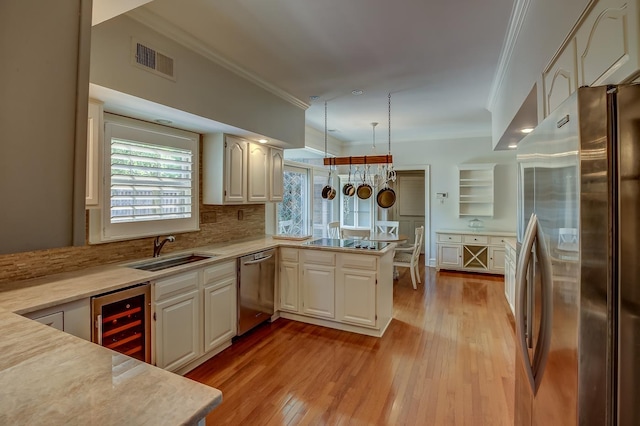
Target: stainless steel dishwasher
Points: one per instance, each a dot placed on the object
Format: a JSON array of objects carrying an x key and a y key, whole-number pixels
[{"x": 256, "y": 287}]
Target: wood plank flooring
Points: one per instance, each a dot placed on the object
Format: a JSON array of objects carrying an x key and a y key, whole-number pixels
[{"x": 446, "y": 359}]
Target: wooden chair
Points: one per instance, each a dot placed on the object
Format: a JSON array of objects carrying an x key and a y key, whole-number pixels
[
  {"x": 333, "y": 230},
  {"x": 410, "y": 256},
  {"x": 359, "y": 234},
  {"x": 387, "y": 226}
]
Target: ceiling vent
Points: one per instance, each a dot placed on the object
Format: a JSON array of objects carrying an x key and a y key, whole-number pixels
[{"x": 150, "y": 59}]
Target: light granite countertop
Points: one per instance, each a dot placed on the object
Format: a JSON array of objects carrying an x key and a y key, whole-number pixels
[{"x": 51, "y": 377}]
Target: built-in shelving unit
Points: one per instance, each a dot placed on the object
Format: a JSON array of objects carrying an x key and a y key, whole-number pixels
[{"x": 476, "y": 189}]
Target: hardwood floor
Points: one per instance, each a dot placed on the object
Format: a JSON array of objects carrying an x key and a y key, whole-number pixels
[{"x": 446, "y": 359}]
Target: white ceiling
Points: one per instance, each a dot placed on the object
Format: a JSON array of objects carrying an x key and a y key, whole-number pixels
[{"x": 437, "y": 58}]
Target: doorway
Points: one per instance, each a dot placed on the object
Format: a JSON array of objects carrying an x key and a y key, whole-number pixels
[{"x": 409, "y": 210}]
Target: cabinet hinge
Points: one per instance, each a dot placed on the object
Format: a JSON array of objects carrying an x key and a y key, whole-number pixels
[
  {"x": 154, "y": 316},
  {"x": 376, "y": 281},
  {"x": 225, "y": 192},
  {"x": 376, "y": 317},
  {"x": 225, "y": 144}
]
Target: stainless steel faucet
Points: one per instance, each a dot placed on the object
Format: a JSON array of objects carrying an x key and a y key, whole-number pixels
[{"x": 157, "y": 245}]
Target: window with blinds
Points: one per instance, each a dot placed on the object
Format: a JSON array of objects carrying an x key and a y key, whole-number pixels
[{"x": 150, "y": 184}]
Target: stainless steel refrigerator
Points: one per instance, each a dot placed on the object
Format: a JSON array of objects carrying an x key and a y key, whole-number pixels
[{"x": 578, "y": 272}]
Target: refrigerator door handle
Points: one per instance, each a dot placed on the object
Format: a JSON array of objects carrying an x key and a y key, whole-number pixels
[
  {"x": 546, "y": 309},
  {"x": 521, "y": 285}
]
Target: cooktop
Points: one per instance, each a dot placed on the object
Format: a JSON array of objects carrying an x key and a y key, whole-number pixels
[{"x": 354, "y": 244}]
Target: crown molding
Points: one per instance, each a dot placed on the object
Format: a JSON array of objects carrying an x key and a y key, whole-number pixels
[
  {"x": 166, "y": 28},
  {"x": 516, "y": 20}
]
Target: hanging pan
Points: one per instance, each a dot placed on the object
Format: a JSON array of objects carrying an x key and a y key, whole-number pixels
[
  {"x": 386, "y": 196},
  {"x": 349, "y": 189},
  {"x": 328, "y": 192},
  {"x": 364, "y": 189}
]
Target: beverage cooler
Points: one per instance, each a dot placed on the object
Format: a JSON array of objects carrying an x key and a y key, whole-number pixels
[{"x": 121, "y": 321}]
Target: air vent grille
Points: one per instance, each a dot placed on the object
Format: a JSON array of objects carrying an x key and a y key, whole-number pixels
[{"x": 151, "y": 60}]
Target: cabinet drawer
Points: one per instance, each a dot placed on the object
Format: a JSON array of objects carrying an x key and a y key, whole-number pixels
[
  {"x": 498, "y": 241},
  {"x": 55, "y": 320},
  {"x": 288, "y": 254},
  {"x": 355, "y": 261},
  {"x": 318, "y": 257},
  {"x": 176, "y": 284},
  {"x": 217, "y": 272},
  {"x": 449, "y": 238},
  {"x": 475, "y": 239}
]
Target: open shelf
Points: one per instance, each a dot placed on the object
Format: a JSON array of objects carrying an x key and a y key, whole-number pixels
[{"x": 475, "y": 184}]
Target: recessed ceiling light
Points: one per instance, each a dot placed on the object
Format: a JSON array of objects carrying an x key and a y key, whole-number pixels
[
  {"x": 314, "y": 98},
  {"x": 512, "y": 145},
  {"x": 162, "y": 121},
  {"x": 527, "y": 130},
  {"x": 357, "y": 92},
  {"x": 263, "y": 140}
]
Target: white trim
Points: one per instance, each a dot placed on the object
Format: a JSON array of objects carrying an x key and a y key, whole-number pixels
[
  {"x": 180, "y": 36},
  {"x": 427, "y": 203},
  {"x": 516, "y": 20}
]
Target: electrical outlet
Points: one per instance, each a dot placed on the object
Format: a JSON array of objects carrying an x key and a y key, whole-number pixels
[{"x": 240, "y": 214}]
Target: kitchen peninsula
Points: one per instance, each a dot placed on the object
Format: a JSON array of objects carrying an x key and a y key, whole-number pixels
[{"x": 52, "y": 376}]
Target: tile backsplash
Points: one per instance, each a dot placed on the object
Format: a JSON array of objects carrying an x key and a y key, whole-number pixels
[{"x": 218, "y": 224}]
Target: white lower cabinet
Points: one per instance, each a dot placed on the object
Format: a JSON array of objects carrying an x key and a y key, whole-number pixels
[
  {"x": 220, "y": 306},
  {"x": 318, "y": 290},
  {"x": 289, "y": 299},
  {"x": 472, "y": 252},
  {"x": 496, "y": 259},
  {"x": 341, "y": 290},
  {"x": 178, "y": 330},
  {"x": 195, "y": 315},
  {"x": 449, "y": 256},
  {"x": 72, "y": 317},
  {"x": 356, "y": 296}
]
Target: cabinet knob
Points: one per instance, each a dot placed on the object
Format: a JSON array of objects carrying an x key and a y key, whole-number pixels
[{"x": 475, "y": 239}]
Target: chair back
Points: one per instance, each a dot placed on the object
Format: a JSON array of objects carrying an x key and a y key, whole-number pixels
[
  {"x": 362, "y": 234},
  {"x": 387, "y": 226},
  {"x": 417, "y": 247},
  {"x": 333, "y": 230},
  {"x": 284, "y": 226}
]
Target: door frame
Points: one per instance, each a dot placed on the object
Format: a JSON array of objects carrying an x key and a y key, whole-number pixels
[{"x": 426, "y": 168}]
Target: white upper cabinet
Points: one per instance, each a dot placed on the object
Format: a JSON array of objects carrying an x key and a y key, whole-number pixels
[
  {"x": 607, "y": 43},
  {"x": 560, "y": 79},
  {"x": 236, "y": 171},
  {"x": 259, "y": 158},
  {"x": 276, "y": 176},
  {"x": 603, "y": 48}
]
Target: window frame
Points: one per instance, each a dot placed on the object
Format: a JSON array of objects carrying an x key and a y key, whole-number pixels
[
  {"x": 101, "y": 230},
  {"x": 312, "y": 172}
]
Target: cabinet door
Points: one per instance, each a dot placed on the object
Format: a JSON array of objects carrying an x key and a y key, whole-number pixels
[
  {"x": 277, "y": 174},
  {"x": 289, "y": 300},
  {"x": 496, "y": 259},
  {"x": 318, "y": 289},
  {"x": 177, "y": 331},
  {"x": 560, "y": 79},
  {"x": 607, "y": 43},
  {"x": 220, "y": 313},
  {"x": 259, "y": 159},
  {"x": 449, "y": 256},
  {"x": 356, "y": 297},
  {"x": 235, "y": 170},
  {"x": 94, "y": 144}
]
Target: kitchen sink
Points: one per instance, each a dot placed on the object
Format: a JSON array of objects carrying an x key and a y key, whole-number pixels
[{"x": 169, "y": 262}]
